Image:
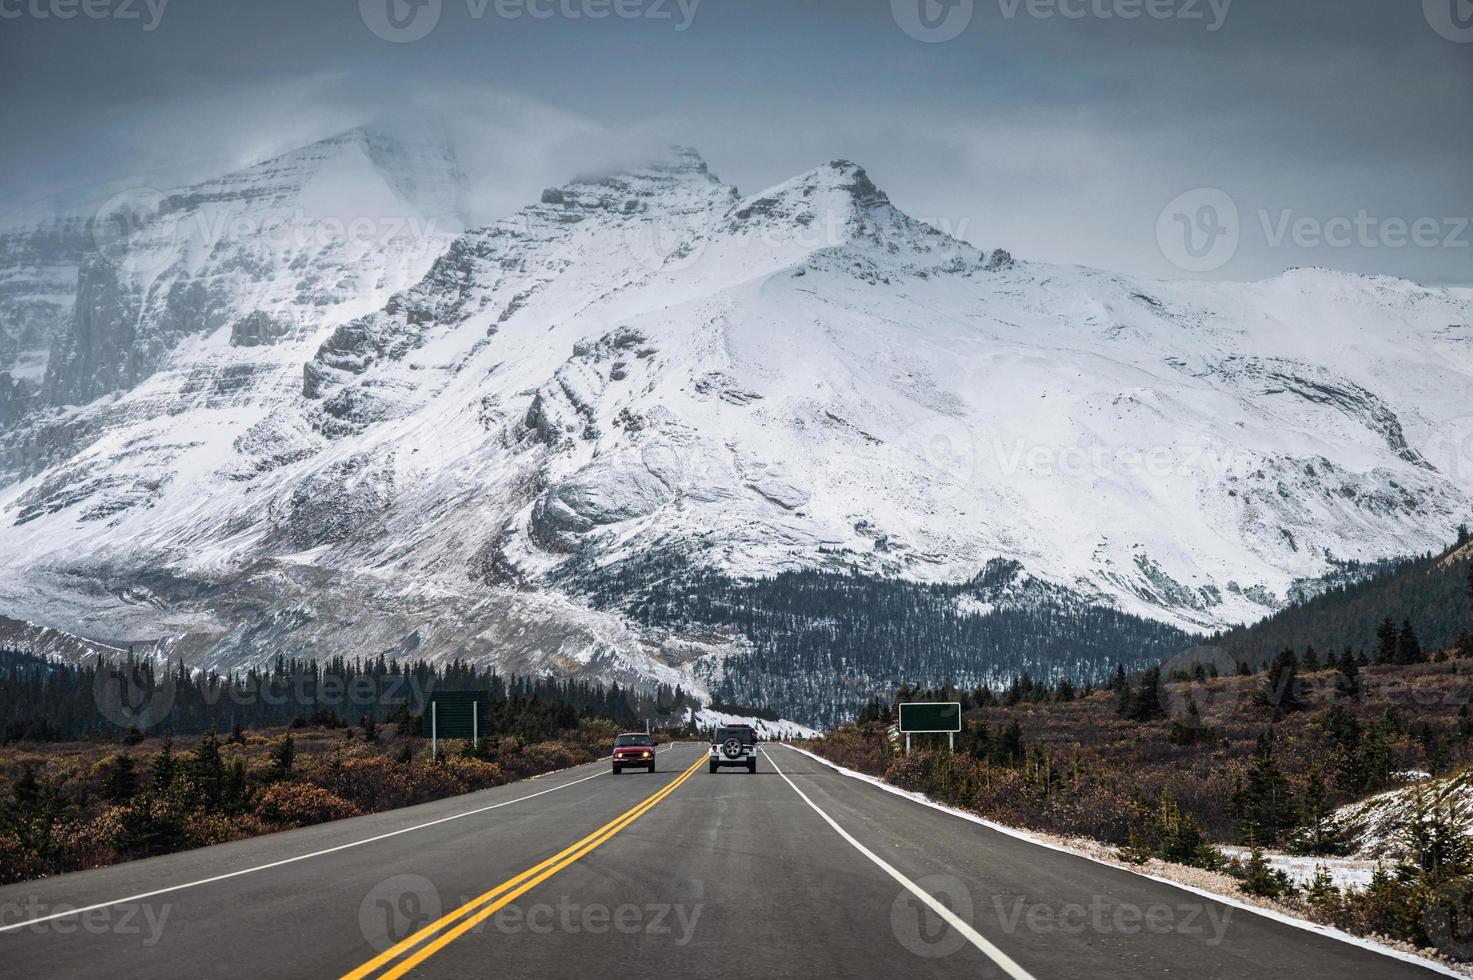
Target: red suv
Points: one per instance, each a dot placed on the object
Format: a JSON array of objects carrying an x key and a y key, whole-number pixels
[{"x": 634, "y": 750}]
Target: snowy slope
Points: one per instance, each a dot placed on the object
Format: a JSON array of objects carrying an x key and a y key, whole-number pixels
[{"x": 647, "y": 360}]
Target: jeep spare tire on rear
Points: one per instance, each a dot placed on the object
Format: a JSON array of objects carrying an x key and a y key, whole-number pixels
[{"x": 733, "y": 745}]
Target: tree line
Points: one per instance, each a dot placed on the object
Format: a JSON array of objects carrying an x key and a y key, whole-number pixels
[{"x": 44, "y": 700}]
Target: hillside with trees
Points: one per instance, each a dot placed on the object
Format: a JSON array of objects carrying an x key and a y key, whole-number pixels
[
  {"x": 1434, "y": 593},
  {"x": 819, "y": 643}
]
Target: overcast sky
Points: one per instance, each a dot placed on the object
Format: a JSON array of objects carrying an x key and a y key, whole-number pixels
[{"x": 1339, "y": 131}]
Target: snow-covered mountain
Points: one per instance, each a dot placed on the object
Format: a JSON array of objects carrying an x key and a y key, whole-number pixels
[{"x": 252, "y": 453}]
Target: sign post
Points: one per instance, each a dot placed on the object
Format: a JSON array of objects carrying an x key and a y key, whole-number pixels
[
  {"x": 462, "y": 711},
  {"x": 921, "y": 717}
]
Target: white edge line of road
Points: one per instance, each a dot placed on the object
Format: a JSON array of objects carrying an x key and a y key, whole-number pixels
[
  {"x": 1003, "y": 960},
  {"x": 1327, "y": 931},
  {"x": 83, "y": 909}
]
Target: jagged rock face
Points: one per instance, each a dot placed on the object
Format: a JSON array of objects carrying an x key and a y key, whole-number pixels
[
  {"x": 649, "y": 361},
  {"x": 299, "y": 238},
  {"x": 264, "y": 257},
  {"x": 39, "y": 257}
]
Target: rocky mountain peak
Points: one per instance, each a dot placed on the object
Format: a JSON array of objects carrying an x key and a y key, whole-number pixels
[{"x": 678, "y": 180}]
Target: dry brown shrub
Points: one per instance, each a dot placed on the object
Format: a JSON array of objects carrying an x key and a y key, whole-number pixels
[{"x": 299, "y": 804}]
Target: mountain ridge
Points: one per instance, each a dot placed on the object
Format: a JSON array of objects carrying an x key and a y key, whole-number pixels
[{"x": 801, "y": 378}]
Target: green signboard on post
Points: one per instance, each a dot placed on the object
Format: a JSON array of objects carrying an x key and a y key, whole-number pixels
[
  {"x": 927, "y": 716},
  {"x": 454, "y": 714},
  {"x": 918, "y": 717}
]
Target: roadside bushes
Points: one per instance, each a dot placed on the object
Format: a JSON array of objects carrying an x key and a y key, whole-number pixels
[
  {"x": 70, "y": 806},
  {"x": 298, "y": 804}
]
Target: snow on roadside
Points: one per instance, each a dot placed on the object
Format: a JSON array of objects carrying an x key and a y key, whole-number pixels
[
  {"x": 1374, "y": 825},
  {"x": 1208, "y": 884},
  {"x": 782, "y": 729},
  {"x": 1344, "y": 872}
]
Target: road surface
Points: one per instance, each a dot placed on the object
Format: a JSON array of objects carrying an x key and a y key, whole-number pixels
[{"x": 798, "y": 870}]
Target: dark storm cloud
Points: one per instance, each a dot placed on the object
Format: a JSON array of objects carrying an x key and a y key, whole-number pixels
[{"x": 1057, "y": 128}]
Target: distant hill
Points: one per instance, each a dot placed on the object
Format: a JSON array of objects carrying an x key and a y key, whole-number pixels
[{"x": 1432, "y": 591}]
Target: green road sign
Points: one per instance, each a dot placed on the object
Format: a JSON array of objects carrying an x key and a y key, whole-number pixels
[
  {"x": 931, "y": 716},
  {"x": 454, "y": 714}
]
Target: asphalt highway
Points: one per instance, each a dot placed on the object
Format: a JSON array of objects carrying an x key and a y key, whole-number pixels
[{"x": 797, "y": 870}]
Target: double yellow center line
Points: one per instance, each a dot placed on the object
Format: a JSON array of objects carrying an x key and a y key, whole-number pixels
[{"x": 408, "y": 954}]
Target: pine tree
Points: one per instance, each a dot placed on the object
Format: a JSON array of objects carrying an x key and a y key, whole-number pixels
[
  {"x": 1320, "y": 835},
  {"x": 207, "y": 769},
  {"x": 234, "y": 793},
  {"x": 1311, "y": 660},
  {"x": 1008, "y": 749},
  {"x": 164, "y": 767},
  {"x": 121, "y": 781},
  {"x": 1348, "y": 685},
  {"x": 282, "y": 757},
  {"x": 1265, "y": 805},
  {"x": 1188, "y": 730},
  {"x": 1281, "y": 690},
  {"x": 1260, "y": 879},
  {"x": 1408, "y": 648},
  {"x": 1182, "y": 840},
  {"x": 1321, "y": 892},
  {"x": 1343, "y": 731},
  {"x": 1375, "y": 759},
  {"x": 1386, "y": 642},
  {"x": 1434, "y": 835},
  {"x": 1144, "y": 703}
]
